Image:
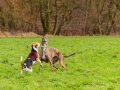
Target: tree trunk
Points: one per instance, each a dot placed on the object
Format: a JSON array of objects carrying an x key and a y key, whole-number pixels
[
  {"x": 87, "y": 12},
  {"x": 110, "y": 17},
  {"x": 48, "y": 18},
  {"x": 45, "y": 16},
  {"x": 56, "y": 19}
]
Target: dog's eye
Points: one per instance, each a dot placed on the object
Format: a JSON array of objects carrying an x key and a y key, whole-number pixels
[{"x": 24, "y": 66}]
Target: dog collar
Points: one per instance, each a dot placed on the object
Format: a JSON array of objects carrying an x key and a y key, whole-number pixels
[{"x": 32, "y": 55}]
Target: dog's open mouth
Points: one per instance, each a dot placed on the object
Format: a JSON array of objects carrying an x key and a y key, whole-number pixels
[{"x": 45, "y": 41}]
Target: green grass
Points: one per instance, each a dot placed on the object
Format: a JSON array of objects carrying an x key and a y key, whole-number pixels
[{"x": 96, "y": 66}]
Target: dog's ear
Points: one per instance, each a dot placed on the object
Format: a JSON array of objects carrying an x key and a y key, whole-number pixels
[
  {"x": 30, "y": 45},
  {"x": 36, "y": 44}
]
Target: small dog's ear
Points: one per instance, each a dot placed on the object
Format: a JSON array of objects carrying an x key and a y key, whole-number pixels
[
  {"x": 30, "y": 45},
  {"x": 36, "y": 44}
]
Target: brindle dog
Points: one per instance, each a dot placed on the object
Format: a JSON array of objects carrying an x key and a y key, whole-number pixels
[{"x": 52, "y": 55}]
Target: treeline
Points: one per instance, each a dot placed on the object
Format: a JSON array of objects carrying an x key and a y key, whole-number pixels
[{"x": 61, "y": 17}]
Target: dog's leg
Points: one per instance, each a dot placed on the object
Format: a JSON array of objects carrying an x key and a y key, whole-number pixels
[
  {"x": 54, "y": 65},
  {"x": 51, "y": 64},
  {"x": 54, "y": 60},
  {"x": 40, "y": 62},
  {"x": 62, "y": 62},
  {"x": 39, "y": 65}
]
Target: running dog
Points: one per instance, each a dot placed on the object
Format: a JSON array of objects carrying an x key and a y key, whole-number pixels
[
  {"x": 52, "y": 55},
  {"x": 32, "y": 58}
]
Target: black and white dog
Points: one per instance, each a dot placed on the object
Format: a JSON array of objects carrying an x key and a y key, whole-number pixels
[{"x": 32, "y": 58}]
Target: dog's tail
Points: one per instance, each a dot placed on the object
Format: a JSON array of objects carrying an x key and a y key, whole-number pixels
[
  {"x": 70, "y": 55},
  {"x": 21, "y": 64},
  {"x": 21, "y": 60}
]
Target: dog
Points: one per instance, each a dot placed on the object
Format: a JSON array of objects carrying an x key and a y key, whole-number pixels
[
  {"x": 52, "y": 55},
  {"x": 33, "y": 56}
]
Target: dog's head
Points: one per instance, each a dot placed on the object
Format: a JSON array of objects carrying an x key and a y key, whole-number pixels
[
  {"x": 25, "y": 68},
  {"x": 44, "y": 39},
  {"x": 35, "y": 44}
]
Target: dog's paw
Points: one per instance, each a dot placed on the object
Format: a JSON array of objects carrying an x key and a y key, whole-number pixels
[{"x": 41, "y": 65}]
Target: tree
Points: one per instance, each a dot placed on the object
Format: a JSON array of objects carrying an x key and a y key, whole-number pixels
[
  {"x": 44, "y": 10},
  {"x": 99, "y": 20},
  {"x": 112, "y": 11},
  {"x": 87, "y": 13}
]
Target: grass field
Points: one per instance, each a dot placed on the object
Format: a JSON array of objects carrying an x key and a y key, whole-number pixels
[{"x": 96, "y": 66}]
